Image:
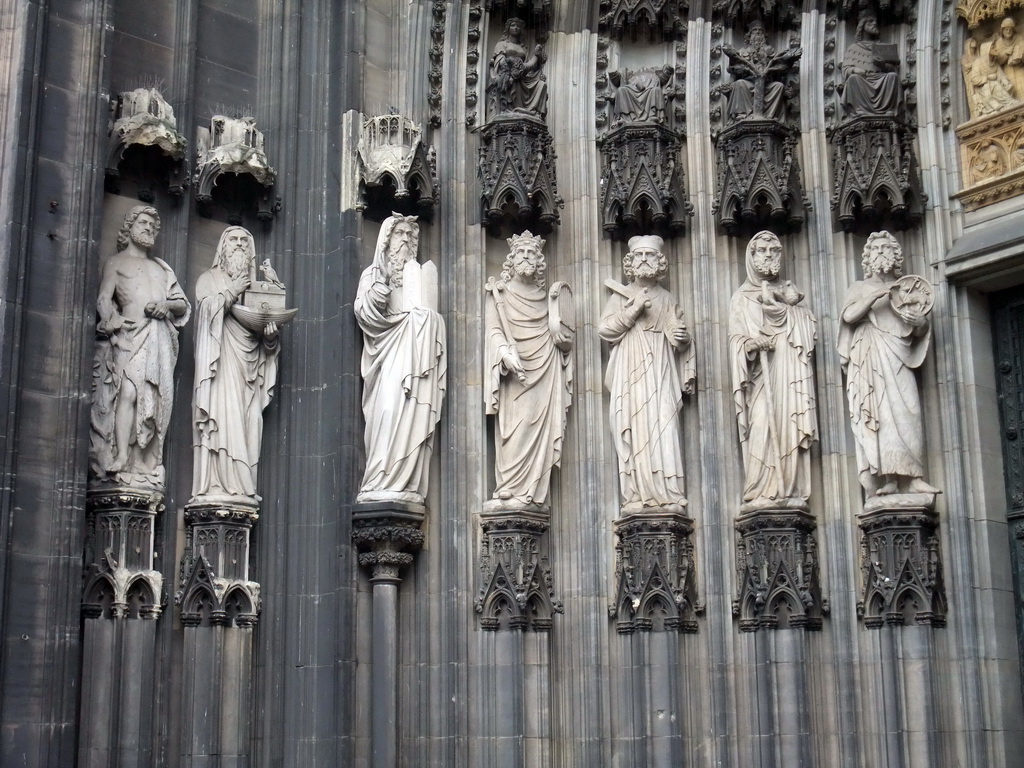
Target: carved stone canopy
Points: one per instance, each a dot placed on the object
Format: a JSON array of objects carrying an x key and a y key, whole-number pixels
[
  {"x": 642, "y": 184},
  {"x": 517, "y": 169},
  {"x": 231, "y": 156},
  {"x": 775, "y": 13},
  {"x": 653, "y": 18},
  {"x": 974, "y": 12},
  {"x": 877, "y": 184},
  {"x": 758, "y": 184},
  {"x": 398, "y": 170},
  {"x": 533, "y": 12},
  {"x": 143, "y": 122}
]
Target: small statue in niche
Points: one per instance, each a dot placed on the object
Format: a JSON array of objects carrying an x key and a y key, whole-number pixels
[
  {"x": 871, "y": 80},
  {"x": 771, "y": 341},
  {"x": 883, "y": 340},
  {"x": 517, "y": 83},
  {"x": 988, "y": 87},
  {"x": 528, "y": 373},
  {"x": 639, "y": 96},
  {"x": 140, "y": 308},
  {"x": 1008, "y": 52},
  {"x": 650, "y": 368},
  {"x": 758, "y": 90},
  {"x": 237, "y": 348},
  {"x": 404, "y": 365},
  {"x": 988, "y": 163}
]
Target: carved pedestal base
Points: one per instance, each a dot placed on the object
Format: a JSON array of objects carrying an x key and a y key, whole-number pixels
[
  {"x": 120, "y": 581},
  {"x": 777, "y": 569},
  {"x": 516, "y": 590},
  {"x": 758, "y": 178},
  {"x": 876, "y": 180},
  {"x": 644, "y": 191},
  {"x": 901, "y": 563},
  {"x": 654, "y": 571},
  {"x": 118, "y": 652},
  {"x": 215, "y": 585},
  {"x": 517, "y": 167}
]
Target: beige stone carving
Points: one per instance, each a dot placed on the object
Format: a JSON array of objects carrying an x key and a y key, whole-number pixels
[
  {"x": 1008, "y": 52},
  {"x": 772, "y": 335},
  {"x": 237, "y": 349},
  {"x": 528, "y": 368},
  {"x": 989, "y": 88},
  {"x": 883, "y": 339},
  {"x": 404, "y": 365},
  {"x": 992, "y": 157},
  {"x": 517, "y": 83},
  {"x": 140, "y": 309},
  {"x": 651, "y": 366}
]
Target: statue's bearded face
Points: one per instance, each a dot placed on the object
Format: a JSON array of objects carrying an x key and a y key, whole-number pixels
[
  {"x": 767, "y": 256},
  {"x": 645, "y": 262},
  {"x": 882, "y": 256},
  {"x": 401, "y": 249},
  {"x": 525, "y": 259},
  {"x": 237, "y": 253},
  {"x": 143, "y": 231}
]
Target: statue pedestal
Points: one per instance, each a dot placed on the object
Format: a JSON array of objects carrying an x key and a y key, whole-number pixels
[
  {"x": 516, "y": 590},
  {"x": 517, "y": 168},
  {"x": 123, "y": 596},
  {"x": 876, "y": 180},
  {"x": 654, "y": 571},
  {"x": 777, "y": 567},
  {"x": 642, "y": 179},
  {"x": 901, "y": 562},
  {"x": 387, "y": 535},
  {"x": 220, "y": 606}
]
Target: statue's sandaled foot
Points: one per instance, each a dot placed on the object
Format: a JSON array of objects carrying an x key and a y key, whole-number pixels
[
  {"x": 505, "y": 495},
  {"x": 918, "y": 485},
  {"x": 888, "y": 489}
]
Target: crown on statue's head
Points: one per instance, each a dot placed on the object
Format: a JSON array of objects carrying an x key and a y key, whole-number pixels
[{"x": 527, "y": 238}]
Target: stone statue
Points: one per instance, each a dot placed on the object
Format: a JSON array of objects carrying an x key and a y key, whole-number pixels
[
  {"x": 140, "y": 309},
  {"x": 871, "y": 80},
  {"x": 758, "y": 90},
  {"x": 529, "y": 374},
  {"x": 988, "y": 163},
  {"x": 771, "y": 344},
  {"x": 517, "y": 83},
  {"x": 883, "y": 339},
  {"x": 236, "y": 370},
  {"x": 989, "y": 88},
  {"x": 639, "y": 96},
  {"x": 404, "y": 365},
  {"x": 1008, "y": 52},
  {"x": 651, "y": 366}
]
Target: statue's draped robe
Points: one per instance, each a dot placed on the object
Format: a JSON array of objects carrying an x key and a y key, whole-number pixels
[
  {"x": 874, "y": 93},
  {"x": 404, "y": 370},
  {"x": 641, "y": 99},
  {"x": 1007, "y": 51},
  {"x": 514, "y": 87},
  {"x": 531, "y": 415},
  {"x": 236, "y": 371},
  {"x": 647, "y": 377},
  {"x": 880, "y": 354},
  {"x": 774, "y": 394},
  {"x": 144, "y": 355}
]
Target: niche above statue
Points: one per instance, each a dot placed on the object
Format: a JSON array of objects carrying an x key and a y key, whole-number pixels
[
  {"x": 516, "y": 155},
  {"x": 232, "y": 170},
  {"x": 144, "y": 144},
  {"x": 635, "y": 18},
  {"x": 642, "y": 182},
  {"x": 876, "y": 181},
  {"x": 397, "y": 170},
  {"x": 758, "y": 184}
]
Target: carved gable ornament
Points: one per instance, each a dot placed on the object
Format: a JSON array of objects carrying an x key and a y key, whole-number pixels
[
  {"x": 976, "y": 11},
  {"x": 234, "y": 145},
  {"x": 142, "y": 119},
  {"x": 397, "y": 169},
  {"x": 655, "y": 17}
]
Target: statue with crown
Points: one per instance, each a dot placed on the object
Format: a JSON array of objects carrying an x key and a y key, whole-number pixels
[{"x": 528, "y": 375}]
